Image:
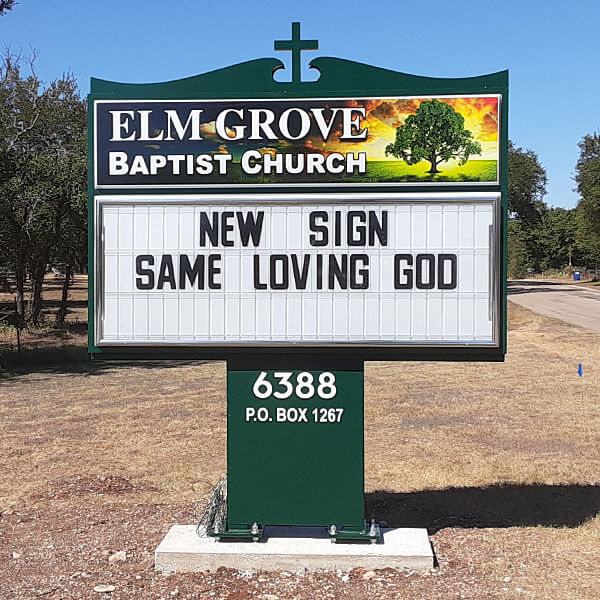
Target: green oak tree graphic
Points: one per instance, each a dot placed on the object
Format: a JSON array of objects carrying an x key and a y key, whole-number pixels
[{"x": 436, "y": 133}]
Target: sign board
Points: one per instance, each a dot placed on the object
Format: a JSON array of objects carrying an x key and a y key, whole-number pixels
[
  {"x": 327, "y": 269},
  {"x": 144, "y": 144},
  {"x": 363, "y": 214}
]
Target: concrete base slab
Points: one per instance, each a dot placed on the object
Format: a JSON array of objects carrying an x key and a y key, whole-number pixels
[{"x": 291, "y": 549}]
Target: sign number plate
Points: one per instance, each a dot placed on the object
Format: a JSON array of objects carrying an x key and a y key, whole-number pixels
[{"x": 303, "y": 386}]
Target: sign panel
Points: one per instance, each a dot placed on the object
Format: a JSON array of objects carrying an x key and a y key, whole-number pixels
[
  {"x": 426, "y": 140},
  {"x": 305, "y": 423},
  {"x": 322, "y": 269}
]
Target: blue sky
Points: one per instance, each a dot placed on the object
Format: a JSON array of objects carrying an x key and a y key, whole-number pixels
[{"x": 551, "y": 47}]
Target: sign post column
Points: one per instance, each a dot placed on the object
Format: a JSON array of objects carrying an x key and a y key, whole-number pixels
[{"x": 295, "y": 447}]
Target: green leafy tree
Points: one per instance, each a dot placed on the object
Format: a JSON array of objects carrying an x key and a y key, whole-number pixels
[
  {"x": 556, "y": 239},
  {"x": 40, "y": 140},
  {"x": 527, "y": 181},
  {"x": 538, "y": 237},
  {"x": 6, "y": 5},
  {"x": 526, "y": 207},
  {"x": 587, "y": 176},
  {"x": 19, "y": 114},
  {"x": 436, "y": 133},
  {"x": 519, "y": 254},
  {"x": 70, "y": 249}
]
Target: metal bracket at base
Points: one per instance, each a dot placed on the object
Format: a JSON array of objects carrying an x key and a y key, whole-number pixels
[
  {"x": 370, "y": 532},
  {"x": 254, "y": 533}
]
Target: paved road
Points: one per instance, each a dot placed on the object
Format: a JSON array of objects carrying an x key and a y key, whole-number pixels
[{"x": 571, "y": 303}]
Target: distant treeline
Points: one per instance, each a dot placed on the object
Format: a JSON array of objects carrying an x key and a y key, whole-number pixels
[
  {"x": 43, "y": 182},
  {"x": 542, "y": 238},
  {"x": 43, "y": 193}
]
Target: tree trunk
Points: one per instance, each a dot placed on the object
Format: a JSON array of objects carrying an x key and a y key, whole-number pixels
[
  {"x": 433, "y": 161},
  {"x": 20, "y": 280},
  {"x": 62, "y": 310},
  {"x": 34, "y": 306},
  {"x": 20, "y": 295}
]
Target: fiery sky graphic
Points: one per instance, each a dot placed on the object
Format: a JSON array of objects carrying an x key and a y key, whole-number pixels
[{"x": 383, "y": 117}]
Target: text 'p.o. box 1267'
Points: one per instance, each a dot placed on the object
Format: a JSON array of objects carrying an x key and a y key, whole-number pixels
[{"x": 297, "y": 229}]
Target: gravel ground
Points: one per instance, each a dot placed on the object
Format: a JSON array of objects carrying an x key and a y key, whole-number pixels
[
  {"x": 66, "y": 547},
  {"x": 499, "y": 461}
]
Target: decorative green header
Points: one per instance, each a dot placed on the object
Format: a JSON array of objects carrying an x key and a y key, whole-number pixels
[
  {"x": 356, "y": 124},
  {"x": 338, "y": 77}
]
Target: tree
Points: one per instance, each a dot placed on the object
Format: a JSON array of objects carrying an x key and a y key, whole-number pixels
[
  {"x": 526, "y": 207},
  {"x": 40, "y": 142},
  {"x": 6, "y": 5},
  {"x": 556, "y": 238},
  {"x": 19, "y": 113},
  {"x": 538, "y": 237},
  {"x": 526, "y": 185},
  {"x": 519, "y": 256},
  {"x": 587, "y": 176},
  {"x": 71, "y": 222},
  {"x": 436, "y": 133}
]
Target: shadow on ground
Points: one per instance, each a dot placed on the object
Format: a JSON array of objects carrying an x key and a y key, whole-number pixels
[
  {"x": 9, "y": 305},
  {"x": 71, "y": 359},
  {"x": 525, "y": 287},
  {"x": 506, "y": 505}
]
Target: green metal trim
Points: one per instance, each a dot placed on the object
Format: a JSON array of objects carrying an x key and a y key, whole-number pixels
[
  {"x": 339, "y": 77},
  {"x": 504, "y": 197},
  {"x": 249, "y": 76},
  {"x": 135, "y": 353},
  {"x": 91, "y": 233}
]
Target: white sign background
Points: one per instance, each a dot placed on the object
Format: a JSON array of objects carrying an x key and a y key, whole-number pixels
[{"x": 464, "y": 224}]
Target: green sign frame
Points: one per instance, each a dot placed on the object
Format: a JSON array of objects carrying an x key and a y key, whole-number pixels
[{"x": 339, "y": 78}]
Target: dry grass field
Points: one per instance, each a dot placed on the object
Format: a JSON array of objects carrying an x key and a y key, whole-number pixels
[{"x": 500, "y": 461}]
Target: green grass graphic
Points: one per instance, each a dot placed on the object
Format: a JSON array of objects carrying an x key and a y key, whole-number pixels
[
  {"x": 388, "y": 171},
  {"x": 378, "y": 171}
]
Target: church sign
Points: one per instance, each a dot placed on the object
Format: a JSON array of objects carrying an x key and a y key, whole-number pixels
[
  {"x": 143, "y": 144},
  {"x": 296, "y": 230}
]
